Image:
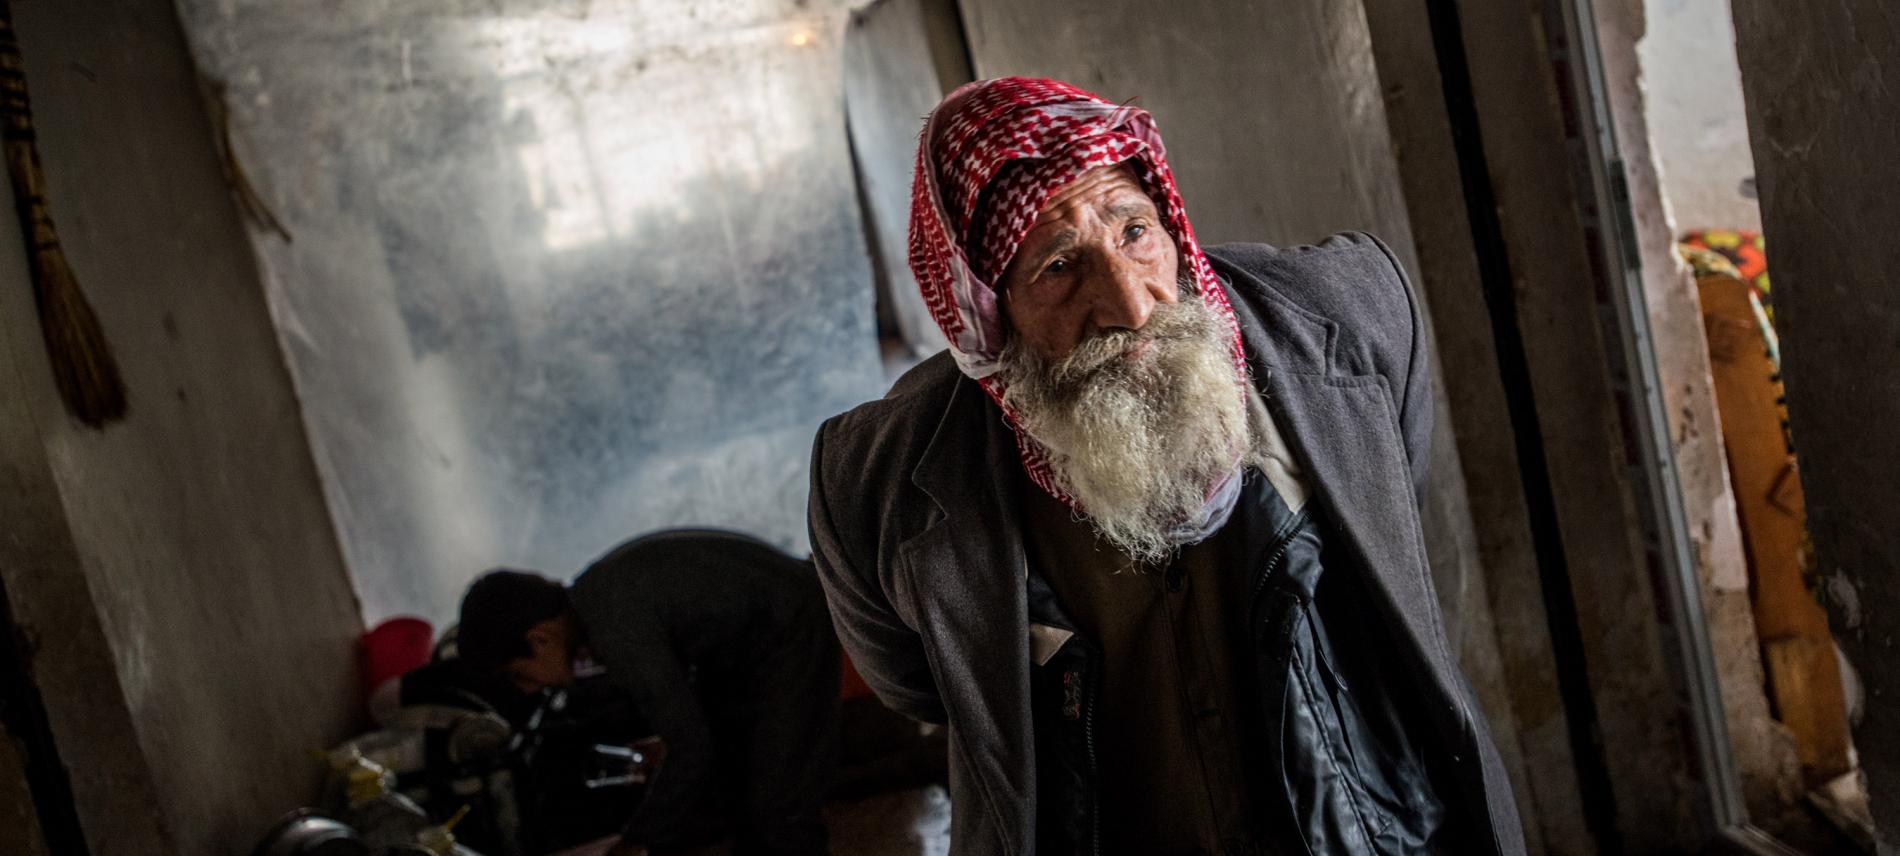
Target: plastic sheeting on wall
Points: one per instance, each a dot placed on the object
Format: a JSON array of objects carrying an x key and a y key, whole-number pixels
[{"x": 559, "y": 272}]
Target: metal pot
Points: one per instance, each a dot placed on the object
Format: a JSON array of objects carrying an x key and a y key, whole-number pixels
[{"x": 304, "y": 832}]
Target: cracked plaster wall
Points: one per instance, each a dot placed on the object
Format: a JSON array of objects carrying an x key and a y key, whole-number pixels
[{"x": 177, "y": 572}]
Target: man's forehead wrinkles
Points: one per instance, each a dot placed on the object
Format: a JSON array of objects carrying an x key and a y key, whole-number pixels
[
  {"x": 1056, "y": 243},
  {"x": 1109, "y": 179},
  {"x": 1080, "y": 213},
  {"x": 1130, "y": 205},
  {"x": 1112, "y": 197}
]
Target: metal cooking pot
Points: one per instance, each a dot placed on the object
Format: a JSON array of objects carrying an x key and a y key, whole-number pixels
[{"x": 304, "y": 832}]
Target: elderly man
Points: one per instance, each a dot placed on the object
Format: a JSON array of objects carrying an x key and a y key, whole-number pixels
[{"x": 1147, "y": 537}]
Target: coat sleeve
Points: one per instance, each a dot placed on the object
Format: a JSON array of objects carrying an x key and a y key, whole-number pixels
[
  {"x": 887, "y": 652},
  {"x": 1412, "y": 389}
]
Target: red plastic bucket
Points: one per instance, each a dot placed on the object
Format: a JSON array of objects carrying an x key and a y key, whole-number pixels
[{"x": 393, "y": 648}]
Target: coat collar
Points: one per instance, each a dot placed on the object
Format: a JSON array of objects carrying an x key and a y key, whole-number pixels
[
  {"x": 968, "y": 567},
  {"x": 970, "y": 463},
  {"x": 1344, "y": 431}
]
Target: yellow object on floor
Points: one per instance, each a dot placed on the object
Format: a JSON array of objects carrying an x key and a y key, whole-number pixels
[{"x": 1797, "y": 647}]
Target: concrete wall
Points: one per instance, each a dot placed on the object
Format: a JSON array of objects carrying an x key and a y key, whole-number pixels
[
  {"x": 900, "y": 58},
  {"x": 1696, "y": 120},
  {"x": 19, "y": 826},
  {"x": 1451, "y": 273},
  {"x": 1638, "y": 783},
  {"x": 178, "y": 570},
  {"x": 67, "y": 656},
  {"x": 1823, "y": 113}
]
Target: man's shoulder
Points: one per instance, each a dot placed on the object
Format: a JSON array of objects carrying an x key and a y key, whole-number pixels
[
  {"x": 890, "y": 433},
  {"x": 1332, "y": 278},
  {"x": 863, "y": 498},
  {"x": 1351, "y": 279},
  {"x": 917, "y": 397}
]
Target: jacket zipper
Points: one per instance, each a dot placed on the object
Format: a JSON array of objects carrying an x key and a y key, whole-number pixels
[
  {"x": 1088, "y": 705},
  {"x": 1095, "y": 771},
  {"x": 1280, "y": 549}
]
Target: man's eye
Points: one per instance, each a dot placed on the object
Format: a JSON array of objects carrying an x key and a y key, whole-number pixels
[
  {"x": 1134, "y": 231},
  {"x": 1057, "y": 266}
]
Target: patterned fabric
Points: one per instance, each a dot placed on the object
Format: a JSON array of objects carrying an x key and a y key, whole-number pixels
[
  {"x": 990, "y": 156},
  {"x": 1707, "y": 262},
  {"x": 1746, "y": 250},
  {"x": 1743, "y": 248}
]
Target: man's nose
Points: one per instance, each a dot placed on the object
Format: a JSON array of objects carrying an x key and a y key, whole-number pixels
[{"x": 1125, "y": 297}]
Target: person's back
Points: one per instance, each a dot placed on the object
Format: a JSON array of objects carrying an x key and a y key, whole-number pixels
[
  {"x": 709, "y": 595},
  {"x": 725, "y": 643}
]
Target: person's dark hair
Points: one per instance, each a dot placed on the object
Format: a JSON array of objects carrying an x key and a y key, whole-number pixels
[{"x": 497, "y": 612}]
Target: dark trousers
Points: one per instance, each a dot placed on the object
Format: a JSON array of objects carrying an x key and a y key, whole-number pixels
[
  {"x": 789, "y": 740},
  {"x": 774, "y": 729}
]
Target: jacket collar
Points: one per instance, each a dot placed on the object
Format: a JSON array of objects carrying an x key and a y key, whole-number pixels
[
  {"x": 968, "y": 566},
  {"x": 970, "y": 463},
  {"x": 1278, "y": 333},
  {"x": 1344, "y": 431}
]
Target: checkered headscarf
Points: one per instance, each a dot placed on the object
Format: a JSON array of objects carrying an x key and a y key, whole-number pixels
[{"x": 991, "y": 154}]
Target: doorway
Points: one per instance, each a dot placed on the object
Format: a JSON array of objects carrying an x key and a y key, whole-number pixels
[{"x": 1764, "y": 698}]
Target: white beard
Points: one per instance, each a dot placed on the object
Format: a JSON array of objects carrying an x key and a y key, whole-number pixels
[{"x": 1138, "y": 441}]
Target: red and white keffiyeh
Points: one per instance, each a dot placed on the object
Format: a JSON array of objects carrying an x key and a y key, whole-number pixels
[{"x": 1031, "y": 137}]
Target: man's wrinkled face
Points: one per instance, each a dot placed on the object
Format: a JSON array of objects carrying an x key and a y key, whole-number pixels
[
  {"x": 1118, "y": 368},
  {"x": 1097, "y": 259}
]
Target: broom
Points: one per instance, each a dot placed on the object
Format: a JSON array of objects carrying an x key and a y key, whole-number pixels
[{"x": 76, "y": 346}]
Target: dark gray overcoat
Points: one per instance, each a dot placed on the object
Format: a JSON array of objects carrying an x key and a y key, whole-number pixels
[{"x": 916, "y": 533}]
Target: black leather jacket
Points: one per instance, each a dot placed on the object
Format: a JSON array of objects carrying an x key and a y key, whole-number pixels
[{"x": 1352, "y": 777}]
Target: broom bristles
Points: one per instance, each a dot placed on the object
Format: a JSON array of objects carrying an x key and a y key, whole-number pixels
[{"x": 83, "y": 368}]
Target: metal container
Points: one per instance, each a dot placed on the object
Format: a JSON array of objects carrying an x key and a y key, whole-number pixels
[{"x": 304, "y": 832}]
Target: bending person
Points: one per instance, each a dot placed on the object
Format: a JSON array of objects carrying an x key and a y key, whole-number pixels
[{"x": 725, "y": 645}]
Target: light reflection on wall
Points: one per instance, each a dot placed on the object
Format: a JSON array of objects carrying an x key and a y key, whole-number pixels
[
  {"x": 562, "y": 271},
  {"x": 597, "y": 156}
]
